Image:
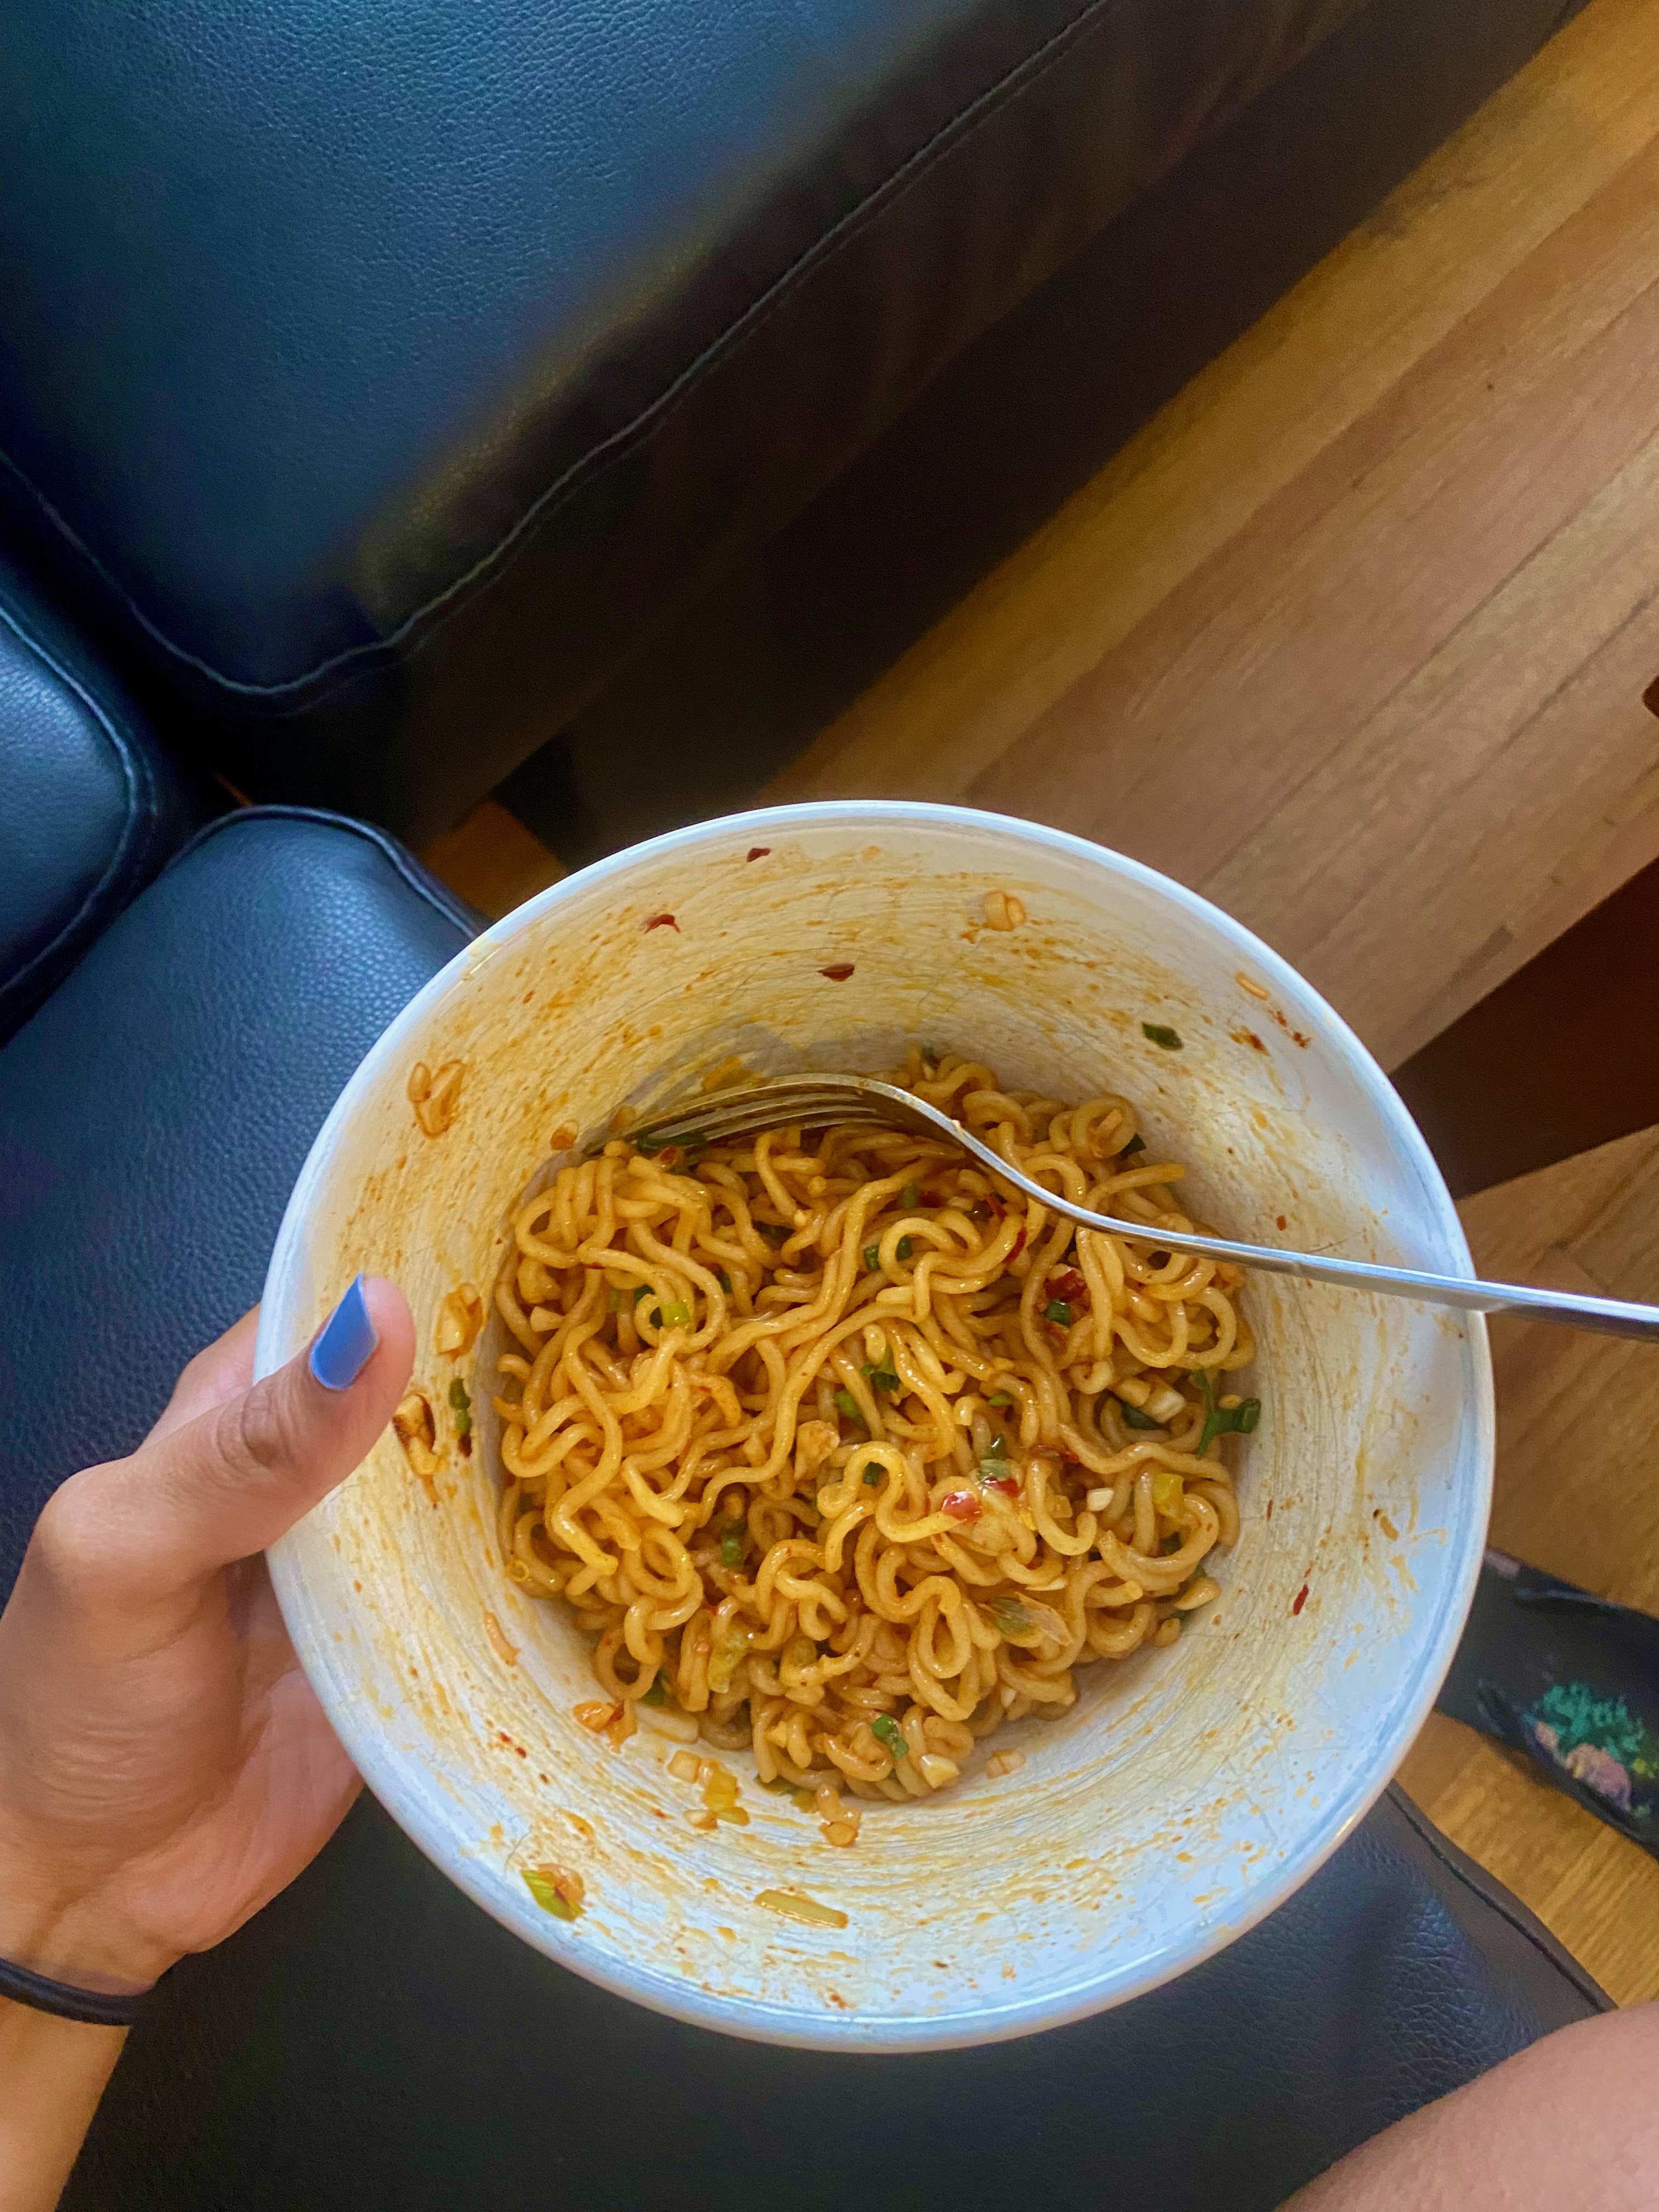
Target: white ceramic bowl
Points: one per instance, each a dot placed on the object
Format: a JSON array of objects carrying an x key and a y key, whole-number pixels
[{"x": 1188, "y": 1791}]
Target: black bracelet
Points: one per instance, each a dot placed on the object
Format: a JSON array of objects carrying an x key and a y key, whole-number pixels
[{"x": 97, "y": 2007}]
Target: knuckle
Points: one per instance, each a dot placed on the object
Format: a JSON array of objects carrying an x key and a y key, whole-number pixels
[
  {"x": 68, "y": 1547},
  {"x": 258, "y": 1435}
]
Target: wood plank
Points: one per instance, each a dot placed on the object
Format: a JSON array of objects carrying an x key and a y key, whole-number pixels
[
  {"x": 492, "y": 860},
  {"x": 1576, "y": 1495},
  {"x": 1456, "y": 777},
  {"x": 1351, "y": 575},
  {"x": 1364, "y": 583},
  {"x": 1253, "y": 418}
]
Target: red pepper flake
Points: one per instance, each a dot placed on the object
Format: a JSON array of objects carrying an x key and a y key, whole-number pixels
[
  {"x": 1007, "y": 1484},
  {"x": 996, "y": 1206},
  {"x": 758, "y": 851},
  {"x": 1067, "y": 1285},
  {"x": 960, "y": 1505},
  {"x": 1301, "y": 1599},
  {"x": 839, "y": 972},
  {"x": 1020, "y": 1246},
  {"x": 663, "y": 921}
]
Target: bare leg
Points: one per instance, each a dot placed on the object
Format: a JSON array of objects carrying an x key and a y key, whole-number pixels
[{"x": 1572, "y": 2122}]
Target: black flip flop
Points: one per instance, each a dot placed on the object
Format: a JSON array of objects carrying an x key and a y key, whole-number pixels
[{"x": 1572, "y": 1682}]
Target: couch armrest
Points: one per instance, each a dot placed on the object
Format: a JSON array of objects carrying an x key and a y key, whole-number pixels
[{"x": 93, "y": 806}]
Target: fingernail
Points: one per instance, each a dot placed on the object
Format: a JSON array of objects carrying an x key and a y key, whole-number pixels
[{"x": 345, "y": 1341}]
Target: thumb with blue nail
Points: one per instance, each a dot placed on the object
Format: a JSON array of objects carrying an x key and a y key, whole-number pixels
[{"x": 165, "y": 1768}]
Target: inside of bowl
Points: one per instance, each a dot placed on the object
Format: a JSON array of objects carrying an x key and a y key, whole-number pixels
[{"x": 1187, "y": 1789}]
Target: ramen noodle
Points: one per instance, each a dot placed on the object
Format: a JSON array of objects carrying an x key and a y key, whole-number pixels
[{"x": 839, "y": 1446}]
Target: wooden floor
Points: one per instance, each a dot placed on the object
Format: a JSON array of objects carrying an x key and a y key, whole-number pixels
[
  {"x": 1577, "y": 1494},
  {"x": 1352, "y": 637}
]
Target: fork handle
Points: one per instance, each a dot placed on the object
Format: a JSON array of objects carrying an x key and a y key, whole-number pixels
[{"x": 1605, "y": 1316}]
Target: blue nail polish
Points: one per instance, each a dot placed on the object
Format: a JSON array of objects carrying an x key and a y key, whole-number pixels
[{"x": 345, "y": 1341}]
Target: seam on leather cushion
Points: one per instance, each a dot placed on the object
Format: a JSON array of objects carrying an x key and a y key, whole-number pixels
[
  {"x": 138, "y": 819},
  {"x": 317, "y": 682},
  {"x": 420, "y": 879},
  {"x": 1507, "y": 1908}
]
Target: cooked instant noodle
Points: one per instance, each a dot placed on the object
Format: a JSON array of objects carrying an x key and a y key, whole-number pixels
[{"x": 837, "y": 1444}]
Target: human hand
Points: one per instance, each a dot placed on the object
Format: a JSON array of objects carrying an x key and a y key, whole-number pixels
[{"x": 165, "y": 1767}]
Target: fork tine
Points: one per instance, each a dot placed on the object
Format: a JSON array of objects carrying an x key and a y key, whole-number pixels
[
  {"x": 802, "y": 1099},
  {"x": 782, "y": 1102}
]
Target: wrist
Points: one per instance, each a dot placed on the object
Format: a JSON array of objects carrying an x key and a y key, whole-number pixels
[{"x": 75, "y": 1939}]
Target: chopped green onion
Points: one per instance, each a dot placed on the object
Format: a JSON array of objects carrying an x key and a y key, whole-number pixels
[
  {"x": 847, "y": 1406},
  {"x": 887, "y": 1731},
  {"x": 905, "y": 1248},
  {"x": 1224, "y": 1420},
  {"x": 775, "y": 1229},
  {"x": 675, "y": 1315},
  {"x": 873, "y": 1472},
  {"x": 1058, "y": 1310},
  {"x": 1009, "y": 1616},
  {"x": 1000, "y": 1398},
  {"x": 1158, "y": 1034},
  {"x": 910, "y": 1193},
  {"x": 734, "y": 1541},
  {"x": 656, "y": 1695},
  {"x": 885, "y": 1378},
  {"x": 1136, "y": 1144},
  {"x": 539, "y": 1883},
  {"x": 458, "y": 1397},
  {"x": 727, "y": 1657},
  {"x": 643, "y": 1292},
  {"x": 613, "y": 1301},
  {"x": 873, "y": 1257},
  {"x": 724, "y": 1280},
  {"x": 1135, "y": 1419}
]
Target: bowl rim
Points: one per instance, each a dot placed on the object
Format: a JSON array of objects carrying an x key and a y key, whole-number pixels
[{"x": 753, "y": 2020}]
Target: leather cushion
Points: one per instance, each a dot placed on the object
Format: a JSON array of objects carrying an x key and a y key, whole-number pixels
[
  {"x": 92, "y": 807},
  {"x": 372, "y": 2039},
  {"x": 156, "y": 1112},
  {"x": 388, "y": 368}
]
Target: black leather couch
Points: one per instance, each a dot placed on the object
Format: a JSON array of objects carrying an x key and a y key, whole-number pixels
[
  {"x": 374, "y": 380},
  {"x": 370, "y": 381}
]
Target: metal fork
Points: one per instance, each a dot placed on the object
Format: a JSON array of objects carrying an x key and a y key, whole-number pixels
[{"x": 813, "y": 1099}]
